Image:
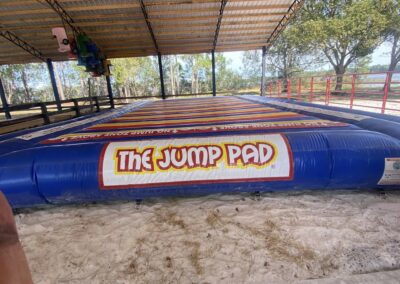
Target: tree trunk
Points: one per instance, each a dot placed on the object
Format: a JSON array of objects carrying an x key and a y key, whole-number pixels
[
  {"x": 339, "y": 70},
  {"x": 58, "y": 82},
  {"x": 394, "y": 58},
  {"x": 26, "y": 87}
]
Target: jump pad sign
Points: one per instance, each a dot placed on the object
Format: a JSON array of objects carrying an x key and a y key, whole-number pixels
[{"x": 148, "y": 163}]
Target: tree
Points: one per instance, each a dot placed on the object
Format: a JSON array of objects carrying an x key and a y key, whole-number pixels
[
  {"x": 251, "y": 71},
  {"x": 391, "y": 9},
  {"x": 343, "y": 30},
  {"x": 288, "y": 55}
]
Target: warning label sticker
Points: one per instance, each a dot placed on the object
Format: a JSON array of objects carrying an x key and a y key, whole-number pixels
[{"x": 391, "y": 174}]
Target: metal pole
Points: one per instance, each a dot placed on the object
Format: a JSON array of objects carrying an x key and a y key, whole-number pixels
[
  {"x": 213, "y": 73},
  {"x": 53, "y": 83},
  {"x": 385, "y": 92},
  {"x": 353, "y": 90},
  {"x": 4, "y": 101},
  {"x": 264, "y": 53},
  {"x": 110, "y": 92},
  {"x": 160, "y": 67}
]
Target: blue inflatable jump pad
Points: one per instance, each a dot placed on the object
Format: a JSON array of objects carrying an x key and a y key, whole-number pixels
[{"x": 189, "y": 147}]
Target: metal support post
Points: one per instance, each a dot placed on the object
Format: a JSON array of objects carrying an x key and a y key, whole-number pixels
[
  {"x": 53, "y": 83},
  {"x": 160, "y": 67}
]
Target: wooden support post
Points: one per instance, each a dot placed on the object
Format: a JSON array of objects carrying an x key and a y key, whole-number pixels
[
  {"x": 76, "y": 107},
  {"x": 110, "y": 92},
  {"x": 353, "y": 90},
  {"x": 299, "y": 89},
  {"x": 160, "y": 67},
  {"x": 328, "y": 91},
  {"x": 386, "y": 92},
  {"x": 45, "y": 114},
  {"x": 311, "y": 90},
  {"x": 54, "y": 84},
  {"x": 214, "y": 87},
  {"x": 96, "y": 102},
  {"x": 279, "y": 88},
  {"x": 4, "y": 101},
  {"x": 264, "y": 53}
]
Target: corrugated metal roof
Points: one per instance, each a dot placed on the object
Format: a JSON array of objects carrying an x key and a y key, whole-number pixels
[{"x": 120, "y": 30}]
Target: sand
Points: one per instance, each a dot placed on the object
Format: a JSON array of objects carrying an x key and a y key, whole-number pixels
[{"x": 278, "y": 237}]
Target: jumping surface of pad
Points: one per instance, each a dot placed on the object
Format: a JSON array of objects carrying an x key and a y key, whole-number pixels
[{"x": 199, "y": 146}]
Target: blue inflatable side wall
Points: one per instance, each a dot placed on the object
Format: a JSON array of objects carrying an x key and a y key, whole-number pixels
[{"x": 37, "y": 174}]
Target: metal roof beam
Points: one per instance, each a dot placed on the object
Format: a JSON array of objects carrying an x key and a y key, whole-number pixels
[
  {"x": 283, "y": 23},
  {"x": 146, "y": 18},
  {"x": 22, "y": 44},
  {"x": 221, "y": 13},
  {"x": 64, "y": 15}
]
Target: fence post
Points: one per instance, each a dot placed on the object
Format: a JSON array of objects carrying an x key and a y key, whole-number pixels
[
  {"x": 311, "y": 89},
  {"x": 279, "y": 89},
  {"x": 96, "y": 102},
  {"x": 328, "y": 91},
  {"x": 45, "y": 114},
  {"x": 288, "y": 88},
  {"x": 299, "y": 89},
  {"x": 270, "y": 89},
  {"x": 353, "y": 90},
  {"x": 385, "y": 92},
  {"x": 76, "y": 107}
]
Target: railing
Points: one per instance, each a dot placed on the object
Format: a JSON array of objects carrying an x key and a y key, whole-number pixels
[
  {"x": 376, "y": 92},
  {"x": 36, "y": 114}
]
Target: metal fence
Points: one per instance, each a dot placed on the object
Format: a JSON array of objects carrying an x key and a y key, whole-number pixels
[{"x": 375, "y": 92}]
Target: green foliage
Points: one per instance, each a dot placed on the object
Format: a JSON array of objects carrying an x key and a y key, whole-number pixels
[
  {"x": 251, "y": 70},
  {"x": 286, "y": 57},
  {"x": 342, "y": 29},
  {"x": 26, "y": 83}
]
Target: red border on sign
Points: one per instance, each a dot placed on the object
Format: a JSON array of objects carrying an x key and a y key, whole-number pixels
[{"x": 191, "y": 182}]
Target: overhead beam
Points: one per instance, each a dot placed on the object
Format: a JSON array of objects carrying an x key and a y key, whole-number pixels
[
  {"x": 64, "y": 15},
  {"x": 146, "y": 18},
  {"x": 22, "y": 44},
  {"x": 221, "y": 13},
  {"x": 215, "y": 41},
  {"x": 283, "y": 23},
  {"x": 153, "y": 38}
]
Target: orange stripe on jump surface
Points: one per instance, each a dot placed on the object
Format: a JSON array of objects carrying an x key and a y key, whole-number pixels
[
  {"x": 210, "y": 114},
  {"x": 194, "y": 121},
  {"x": 192, "y": 109},
  {"x": 151, "y": 107}
]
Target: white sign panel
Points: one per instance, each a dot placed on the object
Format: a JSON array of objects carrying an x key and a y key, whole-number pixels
[{"x": 239, "y": 158}]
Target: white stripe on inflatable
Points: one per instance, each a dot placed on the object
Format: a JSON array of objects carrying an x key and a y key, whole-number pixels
[{"x": 335, "y": 113}]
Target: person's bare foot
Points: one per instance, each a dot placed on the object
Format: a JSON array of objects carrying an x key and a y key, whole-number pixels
[{"x": 13, "y": 265}]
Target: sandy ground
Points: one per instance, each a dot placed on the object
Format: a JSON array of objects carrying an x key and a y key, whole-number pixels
[{"x": 278, "y": 237}]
